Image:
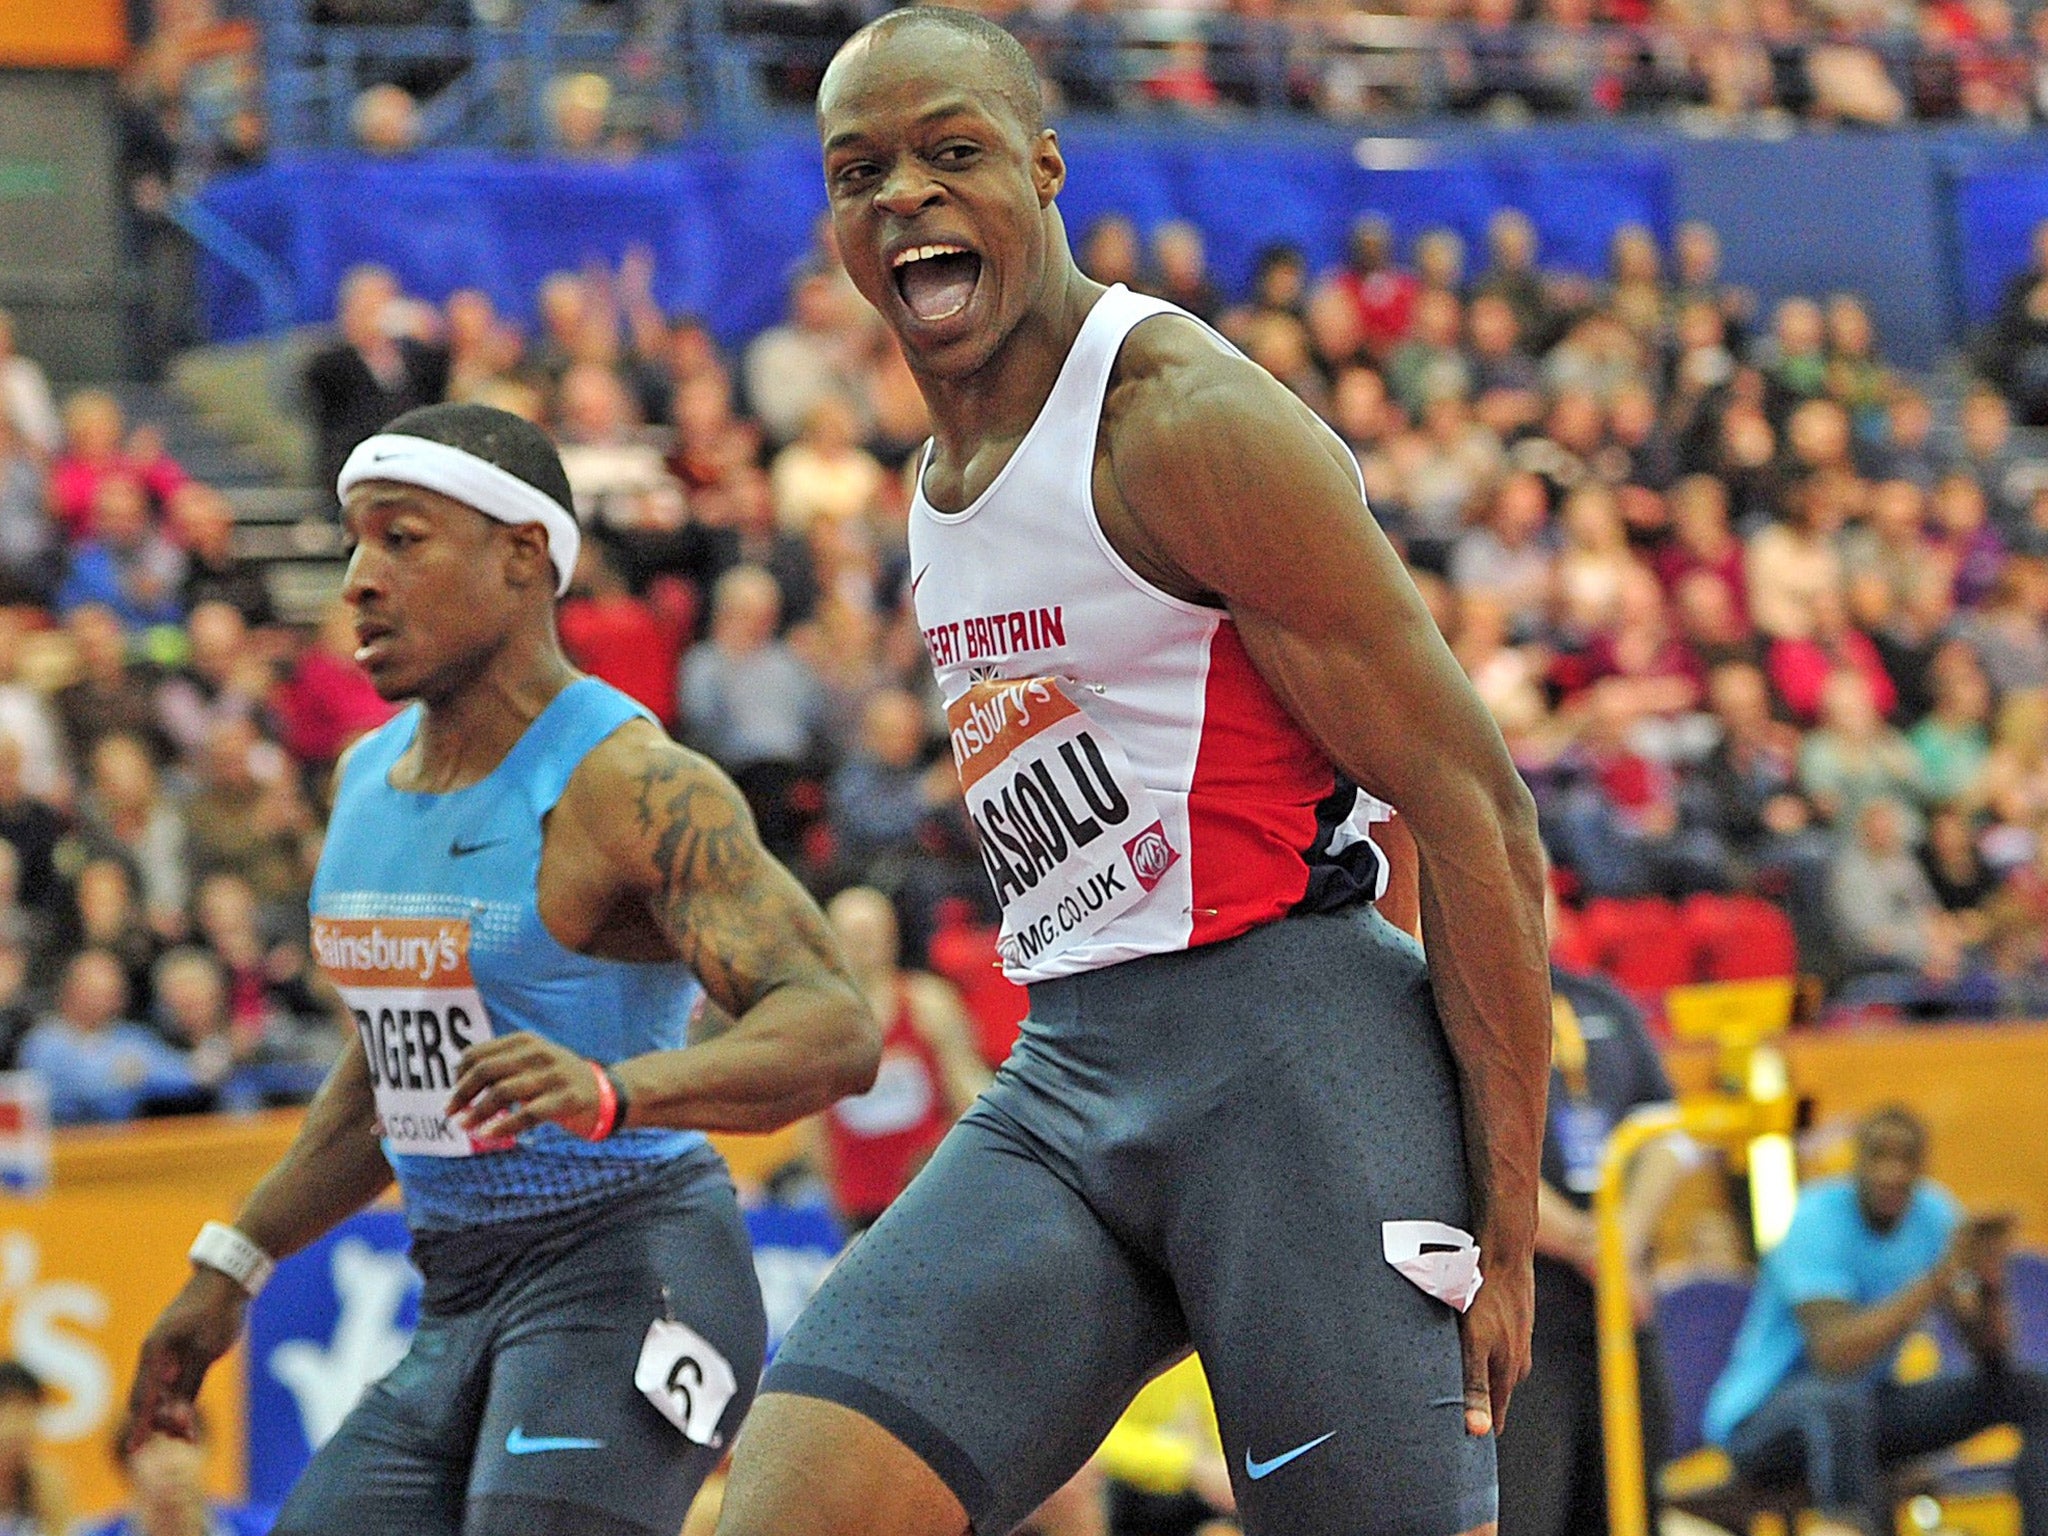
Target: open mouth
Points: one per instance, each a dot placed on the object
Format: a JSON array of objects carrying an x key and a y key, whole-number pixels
[{"x": 936, "y": 281}]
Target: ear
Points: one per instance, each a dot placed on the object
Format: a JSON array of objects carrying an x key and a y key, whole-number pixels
[
  {"x": 527, "y": 561},
  {"x": 1048, "y": 166}
]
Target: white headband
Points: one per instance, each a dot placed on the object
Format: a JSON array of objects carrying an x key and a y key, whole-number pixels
[{"x": 473, "y": 481}]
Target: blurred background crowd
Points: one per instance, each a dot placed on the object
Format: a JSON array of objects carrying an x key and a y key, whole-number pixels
[{"x": 1757, "y": 619}]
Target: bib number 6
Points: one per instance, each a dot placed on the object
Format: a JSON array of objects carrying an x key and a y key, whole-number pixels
[{"x": 686, "y": 1379}]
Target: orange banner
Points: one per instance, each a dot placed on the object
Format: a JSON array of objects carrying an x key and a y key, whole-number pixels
[{"x": 63, "y": 34}]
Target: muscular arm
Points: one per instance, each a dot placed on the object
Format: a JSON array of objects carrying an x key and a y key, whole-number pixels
[
  {"x": 1223, "y": 487},
  {"x": 333, "y": 1168},
  {"x": 801, "y": 1035}
]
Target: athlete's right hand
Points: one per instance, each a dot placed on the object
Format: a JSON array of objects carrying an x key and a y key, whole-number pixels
[
  {"x": 199, "y": 1326},
  {"x": 1494, "y": 1332}
]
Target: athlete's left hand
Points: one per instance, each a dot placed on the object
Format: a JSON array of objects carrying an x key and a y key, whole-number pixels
[
  {"x": 512, "y": 1083},
  {"x": 1495, "y": 1334}
]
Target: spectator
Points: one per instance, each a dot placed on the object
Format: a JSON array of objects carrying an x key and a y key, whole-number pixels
[
  {"x": 1506, "y": 383},
  {"x": 98, "y": 447},
  {"x": 202, "y": 524},
  {"x": 741, "y": 530},
  {"x": 125, "y": 814},
  {"x": 1953, "y": 739},
  {"x": 1594, "y": 564},
  {"x": 1111, "y": 252},
  {"x": 789, "y": 367},
  {"x": 1798, "y": 366},
  {"x": 1854, "y": 758},
  {"x": 886, "y": 798},
  {"x": 1181, "y": 271},
  {"x": 749, "y": 703},
  {"x": 192, "y": 1012},
  {"x": 1987, "y": 455},
  {"x": 111, "y": 695},
  {"x": 578, "y": 105},
  {"x": 1429, "y": 365},
  {"x": 224, "y": 681},
  {"x": 97, "y": 1064},
  {"x": 1512, "y": 274},
  {"x": 327, "y": 701},
  {"x": 370, "y": 373},
  {"x": 33, "y": 829},
  {"x": 625, "y": 640},
  {"x": 1962, "y": 533},
  {"x": 1885, "y": 554},
  {"x": 1382, "y": 296},
  {"x": 1867, "y": 1260},
  {"x": 1905, "y": 450},
  {"x": 111, "y": 919},
  {"x": 1802, "y": 665},
  {"x": 167, "y": 1493},
  {"x": 1618, "y": 826},
  {"x": 875, "y": 1142},
  {"x": 27, "y": 719},
  {"x": 1890, "y": 929},
  {"x": 2006, "y": 632},
  {"x": 386, "y": 122},
  {"x": 825, "y": 473},
  {"x": 25, "y": 398},
  {"x": 1603, "y": 1066},
  {"x": 617, "y": 476},
  {"x": 30, "y": 554},
  {"x": 1789, "y": 565},
  {"x": 1962, "y": 883},
  {"x": 17, "y": 1006},
  {"x": 1701, "y": 539},
  {"x": 248, "y": 816},
  {"x": 33, "y": 1499},
  {"x": 272, "y": 993},
  {"x": 126, "y": 565},
  {"x": 2015, "y": 782},
  {"x": 1506, "y": 558}
]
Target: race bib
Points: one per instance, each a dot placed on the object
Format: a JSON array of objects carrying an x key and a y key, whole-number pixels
[
  {"x": 409, "y": 989},
  {"x": 1069, "y": 835},
  {"x": 683, "y": 1375}
]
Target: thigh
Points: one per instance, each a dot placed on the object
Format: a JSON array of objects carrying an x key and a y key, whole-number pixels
[
  {"x": 1933, "y": 1415},
  {"x": 1339, "y": 1383},
  {"x": 988, "y": 1325},
  {"x": 568, "y": 1441},
  {"x": 400, "y": 1460}
]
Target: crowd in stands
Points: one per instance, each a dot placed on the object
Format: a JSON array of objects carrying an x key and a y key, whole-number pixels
[
  {"x": 192, "y": 100},
  {"x": 1752, "y": 614}
]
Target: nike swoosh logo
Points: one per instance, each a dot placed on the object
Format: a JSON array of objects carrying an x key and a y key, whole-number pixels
[
  {"x": 520, "y": 1443},
  {"x": 1258, "y": 1469},
  {"x": 461, "y": 850},
  {"x": 920, "y": 576}
]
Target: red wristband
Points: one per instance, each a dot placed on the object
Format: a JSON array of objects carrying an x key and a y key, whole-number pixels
[{"x": 607, "y": 1105}]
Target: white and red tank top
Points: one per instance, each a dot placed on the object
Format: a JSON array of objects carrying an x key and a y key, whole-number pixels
[{"x": 1135, "y": 786}]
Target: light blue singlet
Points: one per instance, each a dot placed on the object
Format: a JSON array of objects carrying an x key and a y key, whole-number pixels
[{"x": 473, "y": 856}]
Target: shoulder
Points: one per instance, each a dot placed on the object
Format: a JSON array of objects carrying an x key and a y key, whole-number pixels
[
  {"x": 1176, "y": 382},
  {"x": 637, "y": 787},
  {"x": 1935, "y": 1207}
]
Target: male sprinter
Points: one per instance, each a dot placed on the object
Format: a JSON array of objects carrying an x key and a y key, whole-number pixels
[
  {"x": 523, "y": 885},
  {"x": 1162, "y": 619}
]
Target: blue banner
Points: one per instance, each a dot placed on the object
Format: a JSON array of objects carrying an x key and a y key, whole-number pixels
[
  {"x": 1997, "y": 207},
  {"x": 729, "y": 223}
]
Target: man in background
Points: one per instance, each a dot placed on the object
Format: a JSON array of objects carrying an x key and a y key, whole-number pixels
[{"x": 1808, "y": 1392}]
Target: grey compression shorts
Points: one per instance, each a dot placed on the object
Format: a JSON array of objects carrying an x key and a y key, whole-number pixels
[
  {"x": 1195, "y": 1148},
  {"x": 515, "y": 1409}
]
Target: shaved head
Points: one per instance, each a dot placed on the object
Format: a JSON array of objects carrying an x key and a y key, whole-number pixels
[{"x": 1011, "y": 74}]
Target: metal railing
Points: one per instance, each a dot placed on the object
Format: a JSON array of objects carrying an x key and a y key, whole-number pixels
[{"x": 680, "y": 65}]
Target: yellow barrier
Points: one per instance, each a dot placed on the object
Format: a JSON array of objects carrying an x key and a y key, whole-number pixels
[
  {"x": 1719, "y": 1120},
  {"x": 86, "y": 1267}
]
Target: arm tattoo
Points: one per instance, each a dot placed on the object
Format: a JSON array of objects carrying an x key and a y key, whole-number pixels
[{"x": 737, "y": 918}]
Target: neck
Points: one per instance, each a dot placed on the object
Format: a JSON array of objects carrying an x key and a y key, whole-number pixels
[
  {"x": 465, "y": 733},
  {"x": 999, "y": 400},
  {"x": 183, "y": 1515}
]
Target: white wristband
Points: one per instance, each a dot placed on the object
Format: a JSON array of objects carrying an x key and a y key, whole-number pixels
[{"x": 225, "y": 1248}]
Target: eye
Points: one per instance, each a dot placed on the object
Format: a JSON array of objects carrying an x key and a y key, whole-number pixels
[
  {"x": 954, "y": 156},
  {"x": 853, "y": 172}
]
